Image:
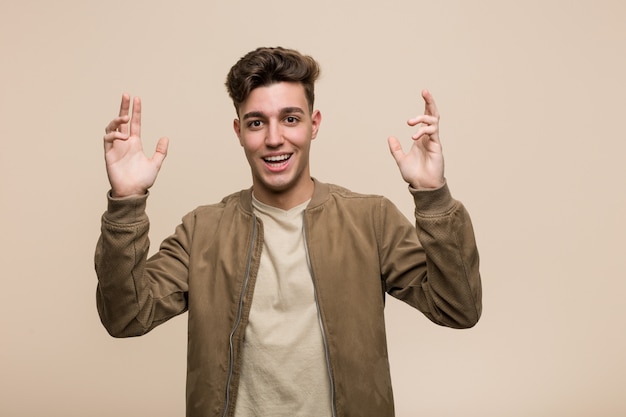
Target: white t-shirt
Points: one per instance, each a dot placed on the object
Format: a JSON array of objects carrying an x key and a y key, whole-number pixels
[{"x": 284, "y": 371}]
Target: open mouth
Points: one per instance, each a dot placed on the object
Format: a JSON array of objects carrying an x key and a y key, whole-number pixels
[{"x": 277, "y": 160}]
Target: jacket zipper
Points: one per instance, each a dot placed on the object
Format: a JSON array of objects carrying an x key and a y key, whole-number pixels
[
  {"x": 239, "y": 314},
  {"x": 319, "y": 318}
]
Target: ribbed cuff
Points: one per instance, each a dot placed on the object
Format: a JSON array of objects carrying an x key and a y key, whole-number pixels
[
  {"x": 126, "y": 209},
  {"x": 433, "y": 202}
]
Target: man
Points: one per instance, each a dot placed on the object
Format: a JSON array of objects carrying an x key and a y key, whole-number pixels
[{"x": 284, "y": 282}]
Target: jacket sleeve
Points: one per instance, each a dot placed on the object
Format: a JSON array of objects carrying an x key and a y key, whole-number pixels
[
  {"x": 434, "y": 266},
  {"x": 135, "y": 294}
]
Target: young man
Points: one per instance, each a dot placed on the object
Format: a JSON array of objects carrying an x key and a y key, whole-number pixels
[{"x": 284, "y": 282}]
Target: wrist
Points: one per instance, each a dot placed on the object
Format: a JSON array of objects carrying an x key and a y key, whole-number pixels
[
  {"x": 127, "y": 193},
  {"x": 427, "y": 185}
]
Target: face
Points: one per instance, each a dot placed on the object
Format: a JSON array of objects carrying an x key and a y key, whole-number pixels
[{"x": 275, "y": 129}]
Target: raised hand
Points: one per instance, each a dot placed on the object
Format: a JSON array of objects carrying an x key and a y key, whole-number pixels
[
  {"x": 422, "y": 166},
  {"x": 130, "y": 172}
]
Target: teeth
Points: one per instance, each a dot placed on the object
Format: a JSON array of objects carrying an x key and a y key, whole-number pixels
[{"x": 278, "y": 158}]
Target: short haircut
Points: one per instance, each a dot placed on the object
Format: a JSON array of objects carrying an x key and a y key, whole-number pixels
[{"x": 265, "y": 66}]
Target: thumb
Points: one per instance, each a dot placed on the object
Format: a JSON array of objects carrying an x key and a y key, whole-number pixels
[
  {"x": 161, "y": 151},
  {"x": 395, "y": 148}
]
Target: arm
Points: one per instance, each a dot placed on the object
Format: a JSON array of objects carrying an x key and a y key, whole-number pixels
[
  {"x": 448, "y": 290},
  {"x": 434, "y": 265},
  {"x": 132, "y": 295},
  {"x": 135, "y": 294}
]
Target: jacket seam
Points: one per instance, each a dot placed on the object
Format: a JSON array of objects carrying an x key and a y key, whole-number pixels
[{"x": 458, "y": 246}]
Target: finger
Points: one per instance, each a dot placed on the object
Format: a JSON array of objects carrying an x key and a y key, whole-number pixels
[
  {"x": 424, "y": 118},
  {"x": 135, "y": 121},
  {"x": 111, "y": 137},
  {"x": 124, "y": 109},
  {"x": 115, "y": 124},
  {"x": 395, "y": 148},
  {"x": 430, "y": 131},
  {"x": 115, "y": 135},
  {"x": 430, "y": 106},
  {"x": 430, "y": 126},
  {"x": 161, "y": 152}
]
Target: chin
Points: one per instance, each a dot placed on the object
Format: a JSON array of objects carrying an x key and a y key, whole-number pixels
[{"x": 278, "y": 187}]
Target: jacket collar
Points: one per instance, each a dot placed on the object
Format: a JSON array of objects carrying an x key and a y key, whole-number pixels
[{"x": 320, "y": 195}]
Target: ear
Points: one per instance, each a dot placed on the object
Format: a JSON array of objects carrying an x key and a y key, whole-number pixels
[
  {"x": 316, "y": 121},
  {"x": 237, "y": 129}
]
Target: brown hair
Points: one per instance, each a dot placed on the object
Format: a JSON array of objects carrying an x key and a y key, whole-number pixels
[{"x": 266, "y": 66}]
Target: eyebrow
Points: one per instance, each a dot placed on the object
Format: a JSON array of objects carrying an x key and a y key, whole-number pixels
[{"x": 286, "y": 110}]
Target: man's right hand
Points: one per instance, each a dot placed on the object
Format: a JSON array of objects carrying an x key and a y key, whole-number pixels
[{"x": 130, "y": 172}]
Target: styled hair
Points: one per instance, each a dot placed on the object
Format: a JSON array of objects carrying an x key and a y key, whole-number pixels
[{"x": 265, "y": 66}]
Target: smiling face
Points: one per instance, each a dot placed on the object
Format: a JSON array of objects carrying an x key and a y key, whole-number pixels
[{"x": 275, "y": 128}]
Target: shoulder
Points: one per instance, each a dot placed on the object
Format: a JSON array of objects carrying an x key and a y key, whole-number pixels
[
  {"x": 344, "y": 198},
  {"x": 347, "y": 209},
  {"x": 339, "y": 192},
  {"x": 228, "y": 204}
]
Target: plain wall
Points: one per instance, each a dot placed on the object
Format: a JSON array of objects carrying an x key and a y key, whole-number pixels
[{"x": 532, "y": 98}]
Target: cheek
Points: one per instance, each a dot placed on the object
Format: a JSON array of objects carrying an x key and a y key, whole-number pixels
[
  {"x": 248, "y": 151},
  {"x": 249, "y": 142},
  {"x": 251, "y": 157},
  {"x": 302, "y": 137}
]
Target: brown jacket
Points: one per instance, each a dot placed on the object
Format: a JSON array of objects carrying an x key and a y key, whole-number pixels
[{"x": 359, "y": 247}]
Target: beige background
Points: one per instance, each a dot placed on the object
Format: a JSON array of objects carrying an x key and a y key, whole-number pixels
[{"x": 532, "y": 96}]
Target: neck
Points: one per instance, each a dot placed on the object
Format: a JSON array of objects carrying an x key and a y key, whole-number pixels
[{"x": 288, "y": 199}]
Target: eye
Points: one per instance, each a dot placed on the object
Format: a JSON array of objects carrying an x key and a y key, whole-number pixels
[
  {"x": 255, "y": 124},
  {"x": 291, "y": 120}
]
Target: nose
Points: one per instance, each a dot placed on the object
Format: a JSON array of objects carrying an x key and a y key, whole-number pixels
[{"x": 274, "y": 137}]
